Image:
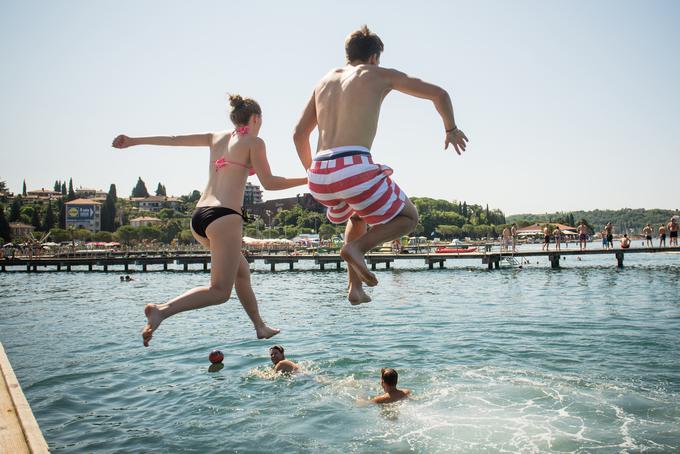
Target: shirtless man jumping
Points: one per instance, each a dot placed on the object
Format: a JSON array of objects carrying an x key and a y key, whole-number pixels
[{"x": 345, "y": 106}]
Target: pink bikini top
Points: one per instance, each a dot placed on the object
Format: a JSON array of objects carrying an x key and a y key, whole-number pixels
[{"x": 222, "y": 162}]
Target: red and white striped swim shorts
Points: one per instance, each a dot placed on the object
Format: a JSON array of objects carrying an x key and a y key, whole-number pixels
[{"x": 348, "y": 182}]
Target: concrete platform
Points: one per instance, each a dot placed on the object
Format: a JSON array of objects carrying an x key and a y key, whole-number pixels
[{"x": 19, "y": 431}]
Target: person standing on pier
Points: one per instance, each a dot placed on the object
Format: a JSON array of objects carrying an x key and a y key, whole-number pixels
[
  {"x": 673, "y": 232},
  {"x": 557, "y": 233},
  {"x": 647, "y": 232},
  {"x": 345, "y": 107},
  {"x": 513, "y": 232},
  {"x": 662, "y": 236},
  {"x": 506, "y": 235},
  {"x": 217, "y": 222},
  {"x": 546, "y": 238},
  {"x": 610, "y": 235},
  {"x": 582, "y": 235}
]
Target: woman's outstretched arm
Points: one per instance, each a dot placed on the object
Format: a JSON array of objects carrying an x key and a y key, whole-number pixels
[
  {"x": 258, "y": 157},
  {"x": 190, "y": 140}
]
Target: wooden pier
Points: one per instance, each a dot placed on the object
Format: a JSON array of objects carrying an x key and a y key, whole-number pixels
[
  {"x": 492, "y": 259},
  {"x": 19, "y": 431}
]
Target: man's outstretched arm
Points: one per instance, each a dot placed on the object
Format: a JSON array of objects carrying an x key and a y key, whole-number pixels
[
  {"x": 303, "y": 130},
  {"x": 439, "y": 97}
]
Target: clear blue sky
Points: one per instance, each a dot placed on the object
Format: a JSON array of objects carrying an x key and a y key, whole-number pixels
[{"x": 568, "y": 105}]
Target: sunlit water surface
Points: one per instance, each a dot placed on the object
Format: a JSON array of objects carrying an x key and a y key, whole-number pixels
[{"x": 581, "y": 359}]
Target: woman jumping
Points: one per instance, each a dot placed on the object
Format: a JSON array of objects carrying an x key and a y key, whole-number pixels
[{"x": 217, "y": 221}]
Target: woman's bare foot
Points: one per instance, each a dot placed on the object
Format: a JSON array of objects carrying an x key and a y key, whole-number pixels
[
  {"x": 265, "y": 332},
  {"x": 356, "y": 295},
  {"x": 154, "y": 319},
  {"x": 355, "y": 259}
]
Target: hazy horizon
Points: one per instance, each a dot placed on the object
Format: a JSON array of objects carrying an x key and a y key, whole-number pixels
[{"x": 568, "y": 105}]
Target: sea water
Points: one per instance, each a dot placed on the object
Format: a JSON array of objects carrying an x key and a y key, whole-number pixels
[{"x": 531, "y": 359}]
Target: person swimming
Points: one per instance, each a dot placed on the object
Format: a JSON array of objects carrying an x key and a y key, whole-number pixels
[
  {"x": 388, "y": 381},
  {"x": 279, "y": 361}
]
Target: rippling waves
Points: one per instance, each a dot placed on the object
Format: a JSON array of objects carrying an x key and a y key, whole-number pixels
[{"x": 582, "y": 359}]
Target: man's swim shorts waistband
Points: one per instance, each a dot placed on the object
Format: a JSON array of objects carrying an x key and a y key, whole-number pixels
[{"x": 342, "y": 152}]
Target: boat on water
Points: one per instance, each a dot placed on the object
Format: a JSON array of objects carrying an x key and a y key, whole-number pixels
[{"x": 455, "y": 247}]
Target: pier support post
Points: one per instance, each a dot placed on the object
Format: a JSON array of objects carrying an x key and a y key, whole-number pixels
[
  {"x": 68, "y": 267},
  {"x": 165, "y": 266},
  {"x": 554, "y": 261},
  {"x": 497, "y": 264},
  {"x": 126, "y": 267},
  {"x": 205, "y": 266},
  {"x": 28, "y": 267},
  {"x": 272, "y": 266},
  {"x": 290, "y": 266},
  {"x": 619, "y": 259},
  {"x": 144, "y": 267},
  {"x": 58, "y": 267},
  {"x": 373, "y": 266},
  {"x": 321, "y": 265},
  {"x": 106, "y": 267},
  {"x": 337, "y": 265},
  {"x": 186, "y": 267},
  {"x": 3, "y": 268}
]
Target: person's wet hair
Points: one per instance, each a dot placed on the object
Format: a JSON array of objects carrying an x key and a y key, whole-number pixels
[
  {"x": 276, "y": 347},
  {"x": 242, "y": 109},
  {"x": 361, "y": 44},
  {"x": 389, "y": 376}
]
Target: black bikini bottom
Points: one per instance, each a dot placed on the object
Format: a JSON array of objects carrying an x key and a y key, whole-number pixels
[{"x": 204, "y": 216}]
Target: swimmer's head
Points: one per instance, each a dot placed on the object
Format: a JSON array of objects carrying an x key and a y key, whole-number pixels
[
  {"x": 364, "y": 46},
  {"x": 389, "y": 377},
  {"x": 276, "y": 353},
  {"x": 122, "y": 278},
  {"x": 243, "y": 109}
]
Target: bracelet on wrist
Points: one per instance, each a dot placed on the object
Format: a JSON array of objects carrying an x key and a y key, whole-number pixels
[{"x": 454, "y": 129}]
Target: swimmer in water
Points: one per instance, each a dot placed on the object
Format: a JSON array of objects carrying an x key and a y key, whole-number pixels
[
  {"x": 281, "y": 364},
  {"x": 388, "y": 381},
  {"x": 217, "y": 222}
]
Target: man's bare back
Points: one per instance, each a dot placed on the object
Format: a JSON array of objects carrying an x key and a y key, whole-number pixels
[{"x": 347, "y": 102}]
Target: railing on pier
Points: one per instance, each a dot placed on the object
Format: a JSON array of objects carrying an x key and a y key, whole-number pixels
[{"x": 123, "y": 263}]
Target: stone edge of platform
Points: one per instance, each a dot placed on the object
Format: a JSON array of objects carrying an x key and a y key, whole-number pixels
[{"x": 32, "y": 433}]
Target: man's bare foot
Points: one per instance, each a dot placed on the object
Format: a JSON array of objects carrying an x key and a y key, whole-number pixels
[
  {"x": 355, "y": 259},
  {"x": 265, "y": 332},
  {"x": 153, "y": 317},
  {"x": 356, "y": 295}
]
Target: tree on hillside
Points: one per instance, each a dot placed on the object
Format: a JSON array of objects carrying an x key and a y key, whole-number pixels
[
  {"x": 63, "y": 188},
  {"x": 48, "y": 221},
  {"x": 23, "y": 191},
  {"x": 61, "y": 209},
  {"x": 160, "y": 190},
  {"x": 109, "y": 210},
  {"x": 194, "y": 196},
  {"x": 57, "y": 186},
  {"x": 5, "y": 231},
  {"x": 15, "y": 210},
  {"x": 35, "y": 220},
  {"x": 140, "y": 189},
  {"x": 71, "y": 193},
  {"x": 3, "y": 186}
]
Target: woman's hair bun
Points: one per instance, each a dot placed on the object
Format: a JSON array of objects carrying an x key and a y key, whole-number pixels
[{"x": 236, "y": 101}]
